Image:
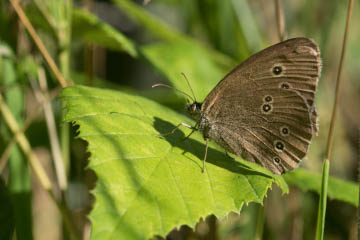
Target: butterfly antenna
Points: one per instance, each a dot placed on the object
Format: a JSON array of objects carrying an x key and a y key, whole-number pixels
[
  {"x": 165, "y": 85},
  {"x": 189, "y": 86}
]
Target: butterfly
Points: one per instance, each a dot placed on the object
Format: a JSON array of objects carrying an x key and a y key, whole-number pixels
[{"x": 263, "y": 110}]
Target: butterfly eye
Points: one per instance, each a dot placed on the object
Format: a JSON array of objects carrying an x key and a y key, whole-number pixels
[
  {"x": 284, "y": 131},
  {"x": 285, "y": 85},
  {"x": 277, "y": 160},
  {"x": 279, "y": 146},
  {"x": 277, "y": 70},
  {"x": 266, "y": 108},
  {"x": 268, "y": 99}
]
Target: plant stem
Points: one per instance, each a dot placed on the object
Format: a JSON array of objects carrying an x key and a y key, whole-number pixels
[
  {"x": 338, "y": 81},
  {"x": 322, "y": 201},
  {"x": 260, "y": 223},
  {"x": 38, "y": 42},
  {"x": 326, "y": 165},
  {"x": 280, "y": 19},
  {"x": 36, "y": 166},
  {"x": 25, "y": 146},
  {"x": 64, "y": 35},
  {"x": 51, "y": 126},
  {"x": 4, "y": 157}
]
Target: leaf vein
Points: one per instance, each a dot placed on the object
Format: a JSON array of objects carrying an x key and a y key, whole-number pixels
[
  {"x": 126, "y": 158},
  {"x": 252, "y": 187},
  {"x": 137, "y": 193},
  {"x": 181, "y": 194},
  {"x": 211, "y": 190}
]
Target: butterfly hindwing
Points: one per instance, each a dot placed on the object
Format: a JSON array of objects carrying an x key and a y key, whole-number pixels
[{"x": 264, "y": 109}]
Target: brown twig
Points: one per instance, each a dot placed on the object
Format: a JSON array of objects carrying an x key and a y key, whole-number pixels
[
  {"x": 338, "y": 81},
  {"x": 38, "y": 42},
  {"x": 280, "y": 21}
]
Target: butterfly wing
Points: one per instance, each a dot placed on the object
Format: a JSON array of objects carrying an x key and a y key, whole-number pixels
[{"x": 264, "y": 109}]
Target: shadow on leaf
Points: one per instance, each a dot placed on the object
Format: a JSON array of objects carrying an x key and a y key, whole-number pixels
[{"x": 197, "y": 148}]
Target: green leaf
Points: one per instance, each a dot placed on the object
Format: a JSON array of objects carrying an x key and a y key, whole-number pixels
[
  {"x": 246, "y": 20},
  {"x": 147, "y": 20},
  {"x": 86, "y": 26},
  {"x": 173, "y": 58},
  {"x": 337, "y": 189},
  {"x": 165, "y": 32},
  {"x": 219, "y": 23},
  {"x": 41, "y": 18},
  {"x": 147, "y": 184}
]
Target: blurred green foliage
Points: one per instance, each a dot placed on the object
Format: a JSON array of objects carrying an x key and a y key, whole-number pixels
[{"x": 128, "y": 46}]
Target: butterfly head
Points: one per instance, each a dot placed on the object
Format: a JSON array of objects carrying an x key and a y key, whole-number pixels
[{"x": 194, "y": 109}]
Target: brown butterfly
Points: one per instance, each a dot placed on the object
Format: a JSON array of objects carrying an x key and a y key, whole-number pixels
[{"x": 264, "y": 109}]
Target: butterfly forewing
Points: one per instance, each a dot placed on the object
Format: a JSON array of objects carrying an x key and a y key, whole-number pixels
[{"x": 264, "y": 109}]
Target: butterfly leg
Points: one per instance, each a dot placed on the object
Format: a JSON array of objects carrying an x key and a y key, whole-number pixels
[
  {"x": 193, "y": 130},
  {"x": 206, "y": 150},
  {"x": 179, "y": 125}
]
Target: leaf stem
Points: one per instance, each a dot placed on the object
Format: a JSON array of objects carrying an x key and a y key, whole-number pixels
[{"x": 64, "y": 36}]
